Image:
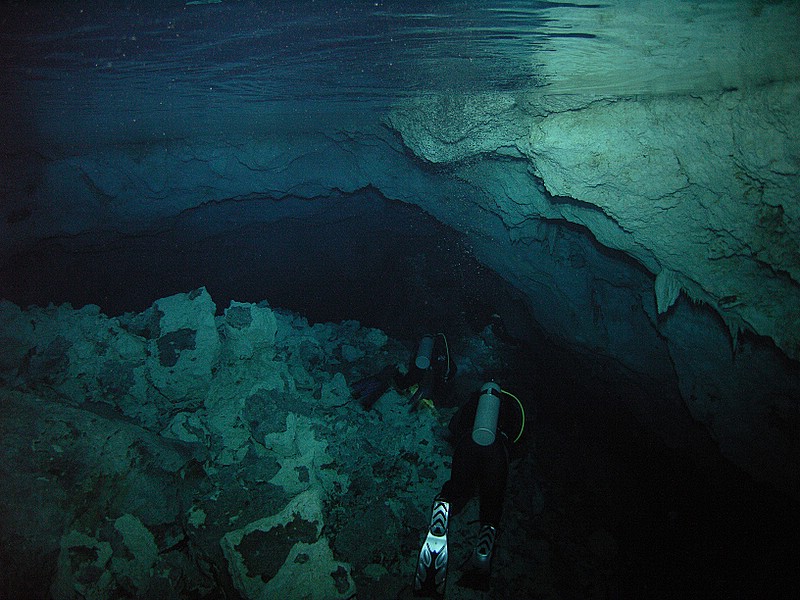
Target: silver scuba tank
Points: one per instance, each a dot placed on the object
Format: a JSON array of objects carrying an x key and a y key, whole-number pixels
[
  {"x": 424, "y": 353},
  {"x": 484, "y": 428}
]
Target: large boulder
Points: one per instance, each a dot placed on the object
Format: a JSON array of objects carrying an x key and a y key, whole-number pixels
[
  {"x": 287, "y": 556},
  {"x": 181, "y": 358}
]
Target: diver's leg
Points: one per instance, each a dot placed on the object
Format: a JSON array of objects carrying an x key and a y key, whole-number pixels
[
  {"x": 431, "y": 575},
  {"x": 493, "y": 479},
  {"x": 492, "y": 482},
  {"x": 461, "y": 486}
]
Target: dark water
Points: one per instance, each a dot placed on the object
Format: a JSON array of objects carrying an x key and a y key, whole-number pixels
[
  {"x": 688, "y": 524},
  {"x": 358, "y": 256}
]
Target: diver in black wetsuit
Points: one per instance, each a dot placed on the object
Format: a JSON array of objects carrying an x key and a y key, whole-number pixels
[
  {"x": 483, "y": 432},
  {"x": 431, "y": 371},
  {"x": 484, "y": 429}
]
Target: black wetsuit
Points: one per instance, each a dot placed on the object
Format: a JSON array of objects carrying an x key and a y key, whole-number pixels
[
  {"x": 435, "y": 382},
  {"x": 481, "y": 468}
]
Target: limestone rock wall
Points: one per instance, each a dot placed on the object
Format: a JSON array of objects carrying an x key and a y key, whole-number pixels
[
  {"x": 494, "y": 192},
  {"x": 701, "y": 187},
  {"x": 158, "y": 448},
  {"x": 670, "y": 133}
]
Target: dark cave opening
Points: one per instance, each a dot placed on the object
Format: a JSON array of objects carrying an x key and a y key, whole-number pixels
[
  {"x": 346, "y": 257},
  {"x": 685, "y": 521}
]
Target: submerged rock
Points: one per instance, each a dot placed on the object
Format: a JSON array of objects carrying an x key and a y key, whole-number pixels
[
  {"x": 148, "y": 443},
  {"x": 286, "y": 556}
]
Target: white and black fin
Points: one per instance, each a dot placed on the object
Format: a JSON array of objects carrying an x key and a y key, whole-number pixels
[
  {"x": 478, "y": 569},
  {"x": 430, "y": 579},
  {"x": 481, "y": 559}
]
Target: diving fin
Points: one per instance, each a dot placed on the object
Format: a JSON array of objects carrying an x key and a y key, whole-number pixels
[
  {"x": 368, "y": 390},
  {"x": 478, "y": 570},
  {"x": 430, "y": 579}
]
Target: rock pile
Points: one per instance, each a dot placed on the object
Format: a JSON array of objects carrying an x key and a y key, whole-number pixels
[{"x": 177, "y": 452}]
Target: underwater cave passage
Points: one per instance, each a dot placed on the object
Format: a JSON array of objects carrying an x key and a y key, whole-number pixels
[{"x": 353, "y": 256}]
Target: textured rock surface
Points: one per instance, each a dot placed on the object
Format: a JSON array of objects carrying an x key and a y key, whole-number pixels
[
  {"x": 82, "y": 493},
  {"x": 747, "y": 401},
  {"x": 690, "y": 170},
  {"x": 187, "y": 347},
  {"x": 286, "y": 555},
  {"x": 701, "y": 186},
  {"x": 216, "y": 444}
]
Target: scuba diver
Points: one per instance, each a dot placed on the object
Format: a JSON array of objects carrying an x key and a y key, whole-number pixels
[
  {"x": 485, "y": 428},
  {"x": 483, "y": 432},
  {"x": 430, "y": 375}
]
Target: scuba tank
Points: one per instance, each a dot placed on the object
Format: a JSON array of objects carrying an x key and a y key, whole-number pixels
[
  {"x": 484, "y": 428},
  {"x": 424, "y": 353},
  {"x": 431, "y": 369}
]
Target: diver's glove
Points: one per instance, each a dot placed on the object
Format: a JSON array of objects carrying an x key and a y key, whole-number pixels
[{"x": 423, "y": 395}]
